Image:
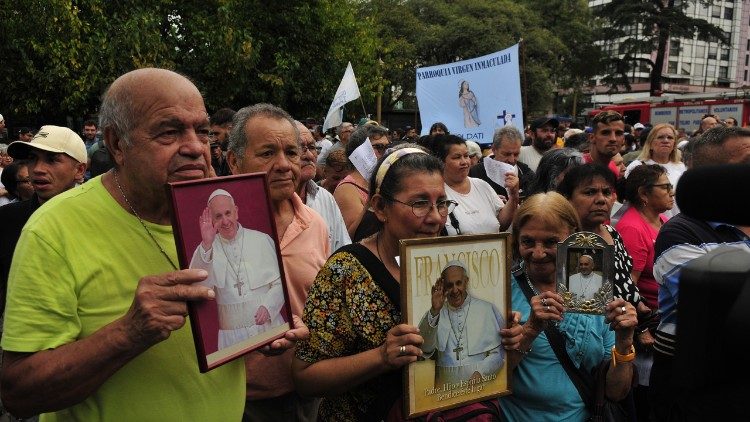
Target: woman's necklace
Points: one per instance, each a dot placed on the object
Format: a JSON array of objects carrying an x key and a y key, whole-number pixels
[
  {"x": 163, "y": 252},
  {"x": 377, "y": 248}
]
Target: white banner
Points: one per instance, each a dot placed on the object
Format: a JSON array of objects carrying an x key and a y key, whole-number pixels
[
  {"x": 348, "y": 91},
  {"x": 472, "y": 97}
]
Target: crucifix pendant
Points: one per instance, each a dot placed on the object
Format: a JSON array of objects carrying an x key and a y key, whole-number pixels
[
  {"x": 239, "y": 285},
  {"x": 457, "y": 350}
]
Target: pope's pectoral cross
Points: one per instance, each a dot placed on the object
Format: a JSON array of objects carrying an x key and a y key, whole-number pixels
[
  {"x": 458, "y": 349},
  {"x": 239, "y": 285}
]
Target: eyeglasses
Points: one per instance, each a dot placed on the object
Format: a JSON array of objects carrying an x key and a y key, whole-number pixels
[
  {"x": 380, "y": 147},
  {"x": 667, "y": 186},
  {"x": 312, "y": 148},
  {"x": 422, "y": 207}
]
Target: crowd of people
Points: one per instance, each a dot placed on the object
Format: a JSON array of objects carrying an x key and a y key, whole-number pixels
[{"x": 95, "y": 304}]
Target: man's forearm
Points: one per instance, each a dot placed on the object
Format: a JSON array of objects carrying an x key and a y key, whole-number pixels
[{"x": 54, "y": 379}]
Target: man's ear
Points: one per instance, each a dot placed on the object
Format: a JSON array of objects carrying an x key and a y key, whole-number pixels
[
  {"x": 234, "y": 165},
  {"x": 115, "y": 145}
]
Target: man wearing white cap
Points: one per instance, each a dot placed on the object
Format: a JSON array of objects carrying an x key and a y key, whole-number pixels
[
  {"x": 243, "y": 270},
  {"x": 463, "y": 330},
  {"x": 56, "y": 161}
]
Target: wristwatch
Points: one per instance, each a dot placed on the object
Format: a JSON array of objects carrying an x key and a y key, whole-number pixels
[{"x": 618, "y": 358}]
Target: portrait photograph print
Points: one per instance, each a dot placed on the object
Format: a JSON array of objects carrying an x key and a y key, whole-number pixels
[
  {"x": 225, "y": 226},
  {"x": 456, "y": 290},
  {"x": 585, "y": 273}
]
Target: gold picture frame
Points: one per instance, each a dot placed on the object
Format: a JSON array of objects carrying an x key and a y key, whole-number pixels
[
  {"x": 478, "y": 370},
  {"x": 585, "y": 272}
]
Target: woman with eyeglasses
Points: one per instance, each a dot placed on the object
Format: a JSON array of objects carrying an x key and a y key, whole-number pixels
[
  {"x": 357, "y": 343},
  {"x": 479, "y": 208},
  {"x": 649, "y": 193},
  {"x": 352, "y": 194},
  {"x": 661, "y": 148},
  {"x": 547, "y": 345}
]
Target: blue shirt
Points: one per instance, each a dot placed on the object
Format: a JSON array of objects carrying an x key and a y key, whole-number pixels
[{"x": 542, "y": 390}]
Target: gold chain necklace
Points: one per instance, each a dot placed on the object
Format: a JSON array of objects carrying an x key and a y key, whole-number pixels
[{"x": 163, "y": 252}]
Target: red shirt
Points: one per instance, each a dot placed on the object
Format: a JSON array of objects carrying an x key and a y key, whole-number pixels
[{"x": 612, "y": 166}]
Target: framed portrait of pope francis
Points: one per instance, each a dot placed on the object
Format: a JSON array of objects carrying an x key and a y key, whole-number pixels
[
  {"x": 225, "y": 226},
  {"x": 457, "y": 291}
]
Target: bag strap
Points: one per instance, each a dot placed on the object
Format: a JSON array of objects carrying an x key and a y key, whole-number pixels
[
  {"x": 377, "y": 270},
  {"x": 454, "y": 222},
  {"x": 581, "y": 380}
]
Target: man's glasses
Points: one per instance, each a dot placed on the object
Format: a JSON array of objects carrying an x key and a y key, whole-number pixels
[
  {"x": 667, "y": 186},
  {"x": 422, "y": 207},
  {"x": 312, "y": 148},
  {"x": 380, "y": 147}
]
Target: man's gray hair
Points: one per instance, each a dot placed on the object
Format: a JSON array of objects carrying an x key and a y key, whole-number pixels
[
  {"x": 342, "y": 126},
  {"x": 3, "y": 148},
  {"x": 238, "y": 137},
  {"x": 708, "y": 149},
  {"x": 508, "y": 133},
  {"x": 366, "y": 131},
  {"x": 118, "y": 113}
]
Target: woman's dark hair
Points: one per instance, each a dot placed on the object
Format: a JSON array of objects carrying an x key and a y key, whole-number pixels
[
  {"x": 553, "y": 163},
  {"x": 441, "y": 145},
  {"x": 580, "y": 175},
  {"x": 439, "y": 125},
  {"x": 578, "y": 141},
  {"x": 9, "y": 178},
  {"x": 645, "y": 175},
  {"x": 398, "y": 172}
]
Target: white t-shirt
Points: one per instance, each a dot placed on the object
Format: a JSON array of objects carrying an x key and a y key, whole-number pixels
[
  {"x": 476, "y": 211},
  {"x": 530, "y": 156},
  {"x": 674, "y": 172}
]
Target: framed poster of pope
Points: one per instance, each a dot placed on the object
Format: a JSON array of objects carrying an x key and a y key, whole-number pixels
[
  {"x": 457, "y": 291},
  {"x": 225, "y": 226}
]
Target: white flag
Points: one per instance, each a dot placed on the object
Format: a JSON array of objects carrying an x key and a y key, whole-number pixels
[{"x": 348, "y": 91}]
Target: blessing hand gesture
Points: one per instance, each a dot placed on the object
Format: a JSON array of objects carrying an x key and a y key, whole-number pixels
[{"x": 208, "y": 231}]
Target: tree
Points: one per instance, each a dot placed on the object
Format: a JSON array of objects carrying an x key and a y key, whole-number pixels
[{"x": 657, "y": 20}]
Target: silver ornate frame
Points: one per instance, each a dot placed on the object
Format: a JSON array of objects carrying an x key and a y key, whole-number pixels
[{"x": 574, "y": 245}]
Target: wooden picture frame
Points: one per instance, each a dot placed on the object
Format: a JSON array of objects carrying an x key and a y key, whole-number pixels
[
  {"x": 243, "y": 262},
  {"x": 441, "y": 380},
  {"x": 585, "y": 273}
]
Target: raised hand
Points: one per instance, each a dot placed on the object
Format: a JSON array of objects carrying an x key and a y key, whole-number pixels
[
  {"x": 208, "y": 231},
  {"x": 438, "y": 297}
]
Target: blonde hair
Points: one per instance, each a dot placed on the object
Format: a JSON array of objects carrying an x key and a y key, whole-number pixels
[
  {"x": 551, "y": 208},
  {"x": 675, "y": 156}
]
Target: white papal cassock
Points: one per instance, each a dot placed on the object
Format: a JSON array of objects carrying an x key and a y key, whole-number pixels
[{"x": 244, "y": 272}]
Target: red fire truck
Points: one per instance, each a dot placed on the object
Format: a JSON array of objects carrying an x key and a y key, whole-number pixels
[{"x": 682, "y": 111}]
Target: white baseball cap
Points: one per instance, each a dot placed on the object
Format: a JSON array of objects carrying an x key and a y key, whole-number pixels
[
  {"x": 638, "y": 126},
  {"x": 50, "y": 138}
]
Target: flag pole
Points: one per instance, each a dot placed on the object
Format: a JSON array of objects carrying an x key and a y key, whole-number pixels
[{"x": 363, "y": 107}]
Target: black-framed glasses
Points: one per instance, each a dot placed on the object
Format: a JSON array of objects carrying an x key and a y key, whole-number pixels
[
  {"x": 312, "y": 148},
  {"x": 668, "y": 186},
  {"x": 422, "y": 207},
  {"x": 380, "y": 147}
]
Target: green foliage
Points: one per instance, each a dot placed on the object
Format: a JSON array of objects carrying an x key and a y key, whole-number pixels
[{"x": 59, "y": 56}]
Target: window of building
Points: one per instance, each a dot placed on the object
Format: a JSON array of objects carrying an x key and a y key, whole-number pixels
[
  {"x": 748, "y": 45},
  {"x": 716, "y": 11},
  {"x": 725, "y": 54},
  {"x": 712, "y": 52},
  {"x": 700, "y": 51},
  {"x": 728, "y": 37},
  {"x": 685, "y": 69},
  {"x": 745, "y": 79},
  {"x": 674, "y": 48},
  {"x": 747, "y": 59},
  {"x": 723, "y": 72},
  {"x": 728, "y": 13},
  {"x": 687, "y": 47},
  {"x": 711, "y": 70},
  {"x": 672, "y": 67},
  {"x": 698, "y": 69}
]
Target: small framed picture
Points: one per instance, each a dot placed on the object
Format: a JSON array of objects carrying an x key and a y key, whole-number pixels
[
  {"x": 457, "y": 291},
  {"x": 585, "y": 273},
  {"x": 225, "y": 226}
]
